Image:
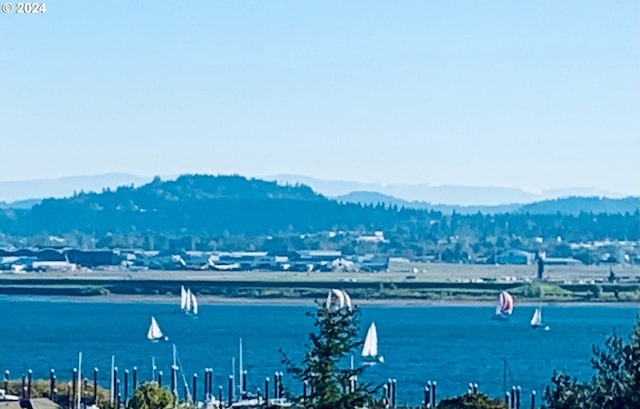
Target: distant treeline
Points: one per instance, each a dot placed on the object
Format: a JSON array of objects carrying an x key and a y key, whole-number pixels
[{"x": 232, "y": 212}]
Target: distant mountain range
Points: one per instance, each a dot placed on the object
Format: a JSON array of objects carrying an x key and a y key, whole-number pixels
[
  {"x": 202, "y": 207},
  {"x": 566, "y": 205},
  {"x": 461, "y": 199},
  {"x": 21, "y": 190},
  {"x": 441, "y": 194}
]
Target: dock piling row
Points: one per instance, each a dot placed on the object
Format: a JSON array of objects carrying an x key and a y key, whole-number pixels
[{"x": 121, "y": 397}]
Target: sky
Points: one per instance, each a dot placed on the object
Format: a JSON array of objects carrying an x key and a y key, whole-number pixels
[{"x": 528, "y": 94}]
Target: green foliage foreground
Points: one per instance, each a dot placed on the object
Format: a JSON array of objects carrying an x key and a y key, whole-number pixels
[
  {"x": 472, "y": 401},
  {"x": 332, "y": 386},
  {"x": 615, "y": 384},
  {"x": 150, "y": 395}
]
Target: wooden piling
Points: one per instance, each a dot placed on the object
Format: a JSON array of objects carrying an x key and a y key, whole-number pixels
[
  {"x": 275, "y": 385},
  {"x": 118, "y": 392},
  {"x": 230, "y": 391},
  {"x": 266, "y": 390},
  {"x": 427, "y": 396},
  {"x": 207, "y": 392},
  {"x": 507, "y": 400},
  {"x": 74, "y": 383},
  {"x": 211, "y": 382},
  {"x": 29, "y": 379},
  {"x": 160, "y": 378},
  {"x": 518, "y": 390},
  {"x": 433, "y": 393},
  {"x": 113, "y": 384},
  {"x": 126, "y": 387},
  {"x": 195, "y": 385},
  {"x": 134, "y": 378},
  {"x": 244, "y": 382},
  {"x": 533, "y": 399},
  {"x": 52, "y": 383},
  {"x": 394, "y": 383},
  {"x": 174, "y": 377}
]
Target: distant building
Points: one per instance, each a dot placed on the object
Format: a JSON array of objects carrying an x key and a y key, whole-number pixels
[
  {"x": 561, "y": 261},
  {"x": 515, "y": 257},
  {"x": 377, "y": 237}
]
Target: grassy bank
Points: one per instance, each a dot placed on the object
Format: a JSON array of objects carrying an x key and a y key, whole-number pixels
[{"x": 364, "y": 290}]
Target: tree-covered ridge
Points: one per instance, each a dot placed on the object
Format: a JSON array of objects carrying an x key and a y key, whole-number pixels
[
  {"x": 576, "y": 205},
  {"x": 232, "y": 212}
]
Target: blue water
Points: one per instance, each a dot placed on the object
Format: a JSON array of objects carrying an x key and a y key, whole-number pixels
[{"x": 452, "y": 345}]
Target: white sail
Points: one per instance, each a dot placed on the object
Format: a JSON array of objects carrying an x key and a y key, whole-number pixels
[
  {"x": 338, "y": 299},
  {"x": 183, "y": 298},
  {"x": 335, "y": 297},
  {"x": 154, "y": 330},
  {"x": 347, "y": 299},
  {"x": 194, "y": 304},
  {"x": 370, "y": 348},
  {"x": 505, "y": 303},
  {"x": 537, "y": 317},
  {"x": 188, "y": 305}
]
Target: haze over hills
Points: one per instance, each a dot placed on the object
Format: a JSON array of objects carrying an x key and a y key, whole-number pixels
[
  {"x": 202, "y": 207},
  {"x": 11, "y": 191},
  {"x": 566, "y": 205},
  {"x": 442, "y": 194},
  {"x": 462, "y": 199}
]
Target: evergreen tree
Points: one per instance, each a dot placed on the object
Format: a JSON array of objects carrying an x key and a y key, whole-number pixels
[{"x": 332, "y": 384}]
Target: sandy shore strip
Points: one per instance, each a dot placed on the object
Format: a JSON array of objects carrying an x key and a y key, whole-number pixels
[{"x": 217, "y": 300}]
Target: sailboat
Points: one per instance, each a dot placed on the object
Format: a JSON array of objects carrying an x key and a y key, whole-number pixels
[
  {"x": 154, "y": 333},
  {"x": 194, "y": 304},
  {"x": 188, "y": 301},
  {"x": 370, "y": 348},
  {"x": 338, "y": 299},
  {"x": 504, "y": 309},
  {"x": 183, "y": 298},
  {"x": 536, "y": 319}
]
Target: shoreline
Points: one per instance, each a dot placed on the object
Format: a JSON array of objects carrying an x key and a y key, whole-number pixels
[{"x": 283, "y": 301}]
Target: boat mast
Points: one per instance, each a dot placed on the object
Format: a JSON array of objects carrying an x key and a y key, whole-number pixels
[
  {"x": 240, "y": 374},
  {"x": 79, "y": 398},
  {"x": 111, "y": 391},
  {"x": 174, "y": 374},
  {"x": 233, "y": 374}
]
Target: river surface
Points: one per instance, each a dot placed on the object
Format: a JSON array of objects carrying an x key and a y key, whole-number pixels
[{"x": 453, "y": 345}]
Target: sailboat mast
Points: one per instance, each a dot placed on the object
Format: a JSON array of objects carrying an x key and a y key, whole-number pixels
[
  {"x": 240, "y": 373},
  {"x": 79, "y": 397},
  {"x": 174, "y": 373},
  {"x": 111, "y": 391},
  {"x": 233, "y": 374}
]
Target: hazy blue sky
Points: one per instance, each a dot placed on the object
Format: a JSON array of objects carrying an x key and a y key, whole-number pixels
[{"x": 534, "y": 94}]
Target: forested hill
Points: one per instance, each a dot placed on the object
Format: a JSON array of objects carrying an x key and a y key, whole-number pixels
[
  {"x": 575, "y": 205},
  {"x": 565, "y": 205},
  {"x": 211, "y": 206},
  {"x": 195, "y": 204}
]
